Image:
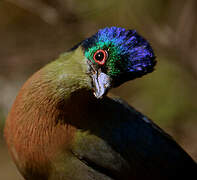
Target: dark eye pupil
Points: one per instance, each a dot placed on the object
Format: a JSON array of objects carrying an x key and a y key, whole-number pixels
[{"x": 99, "y": 56}]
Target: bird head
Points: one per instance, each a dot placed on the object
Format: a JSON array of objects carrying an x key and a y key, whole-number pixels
[{"x": 116, "y": 55}]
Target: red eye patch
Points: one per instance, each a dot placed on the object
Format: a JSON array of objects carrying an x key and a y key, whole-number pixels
[{"x": 100, "y": 56}]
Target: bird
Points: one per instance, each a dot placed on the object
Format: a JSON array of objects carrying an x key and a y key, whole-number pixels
[{"x": 64, "y": 125}]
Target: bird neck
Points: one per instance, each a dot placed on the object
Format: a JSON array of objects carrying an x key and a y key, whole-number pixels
[
  {"x": 40, "y": 114},
  {"x": 57, "y": 82},
  {"x": 64, "y": 81}
]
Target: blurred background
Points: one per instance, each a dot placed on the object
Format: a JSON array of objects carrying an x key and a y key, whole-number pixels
[{"x": 34, "y": 32}]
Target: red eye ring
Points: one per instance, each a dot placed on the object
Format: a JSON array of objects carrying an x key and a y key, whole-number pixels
[{"x": 100, "y": 56}]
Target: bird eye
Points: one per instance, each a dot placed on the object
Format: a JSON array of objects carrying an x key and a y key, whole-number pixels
[{"x": 100, "y": 56}]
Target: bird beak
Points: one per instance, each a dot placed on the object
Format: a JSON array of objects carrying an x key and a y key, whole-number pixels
[{"x": 101, "y": 82}]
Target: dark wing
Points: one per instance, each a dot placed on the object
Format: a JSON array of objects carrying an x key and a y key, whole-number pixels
[
  {"x": 150, "y": 151},
  {"x": 121, "y": 143}
]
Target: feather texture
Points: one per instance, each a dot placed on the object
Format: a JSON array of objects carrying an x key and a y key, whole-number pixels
[{"x": 58, "y": 130}]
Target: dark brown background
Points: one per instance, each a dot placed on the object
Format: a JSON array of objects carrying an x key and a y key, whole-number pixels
[{"x": 35, "y": 32}]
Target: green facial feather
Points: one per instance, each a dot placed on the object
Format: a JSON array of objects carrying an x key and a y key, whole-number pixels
[{"x": 114, "y": 58}]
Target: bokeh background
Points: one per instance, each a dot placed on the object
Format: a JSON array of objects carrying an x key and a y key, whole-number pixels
[{"x": 34, "y": 32}]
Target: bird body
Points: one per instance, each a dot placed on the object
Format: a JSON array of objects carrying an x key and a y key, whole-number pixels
[{"x": 63, "y": 126}]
